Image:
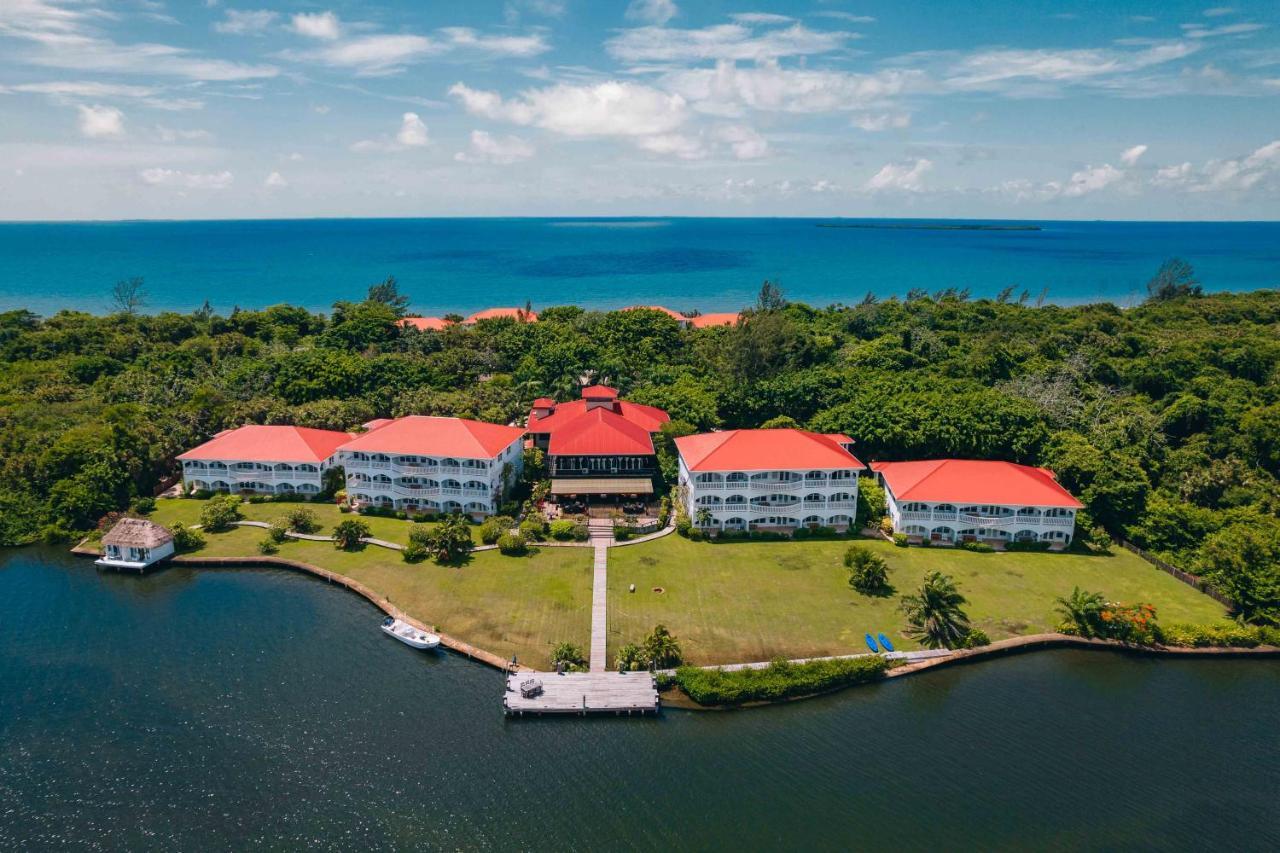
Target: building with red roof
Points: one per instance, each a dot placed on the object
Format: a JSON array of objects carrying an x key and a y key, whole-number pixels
[
  {"x": 598, "y": 444},
  {"x": 949, "y": 500},
  {"x": 703, "y": 321},
  {"x": 432, "y": 464},
  {"x": 520, "y": 315},
  {"x": 262, "y": 459},
  {"x": 776, "y": 479},
  {"x": 426, "y": 324}
]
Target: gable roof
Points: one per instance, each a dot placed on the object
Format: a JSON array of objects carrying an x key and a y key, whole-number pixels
[
  {"x": 137, "y": 533},
  {"x": 601, "y": 432},
  {"x": 270, "y": 443},
  {"x": 599, "y": 392},
  {"x": 764, "y": 450},
  {"x": 649, "y": 418},
  {"x": 435, "y": 436},
  {"x": 974, "y": 481}
]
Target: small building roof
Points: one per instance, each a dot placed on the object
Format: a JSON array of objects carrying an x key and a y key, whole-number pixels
[
  {"x": 648, "y": 418},
  {"x": 269, "y": 443},
  {"x": 435, "y": 436},
  {"x": 544, "y": 402},
  {"x": 599, "y": 392},
  {"x": 702, "y": 321},
  {"x": 423, "y": 324},
  {"x": 137, "y": 533},
  {"x": 601, "y": 432},
  {"x": 764, "y": 450},
  {"x": 972, "y": 481},
  {"x": 519, "y": 314}
]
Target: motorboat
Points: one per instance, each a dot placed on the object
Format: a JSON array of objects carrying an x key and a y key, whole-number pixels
[{"x": 409, "y": 635}]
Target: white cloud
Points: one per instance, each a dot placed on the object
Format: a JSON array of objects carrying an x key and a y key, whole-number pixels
[
  {"x": 275, "y": 181},
  {"x": 69, "y": 91},
  {"x": 1241, "y": 174},
  {"x": 744, "y": 141},
  {"x": 243, "y": 22},
  {"x": 98, "y": 122},
  {"x": 158, "y": 177},
  {"x": 318, "y": 25},
  {"x": 990, "y": 68},
  {"x": 604, "y": 109},
  {"x": 1091, "y": 179},
  {"x": 847, "y": 16},
  {"x": 876, "y": 122},
  {"x": 761, "y": 18},
  {"x": 676, "y": 145},
  {"x": 486, "y": 148},
  {"x": 900, "y": 176},
  {"x": 1218, "y": 11},
  {"x": 1131, "y": 155},
  {"x": 413, "y": 133},
  {"x": 169, "y": 134},
  {"x": 1172, "y": 176},
  {"x": 1200, "y": 31},
  {"x": 518, "y": 46},
  {"x": 651, "y": 11},
  {"x": 381, "y": 54},
  {"x": 728, "y": 89},
  {"x": 722, "y": 41}
]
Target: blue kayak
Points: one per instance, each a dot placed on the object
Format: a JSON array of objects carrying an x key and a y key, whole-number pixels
[
  {"x": 871, "y": 643},
  {"x": 884, "y": 642}
]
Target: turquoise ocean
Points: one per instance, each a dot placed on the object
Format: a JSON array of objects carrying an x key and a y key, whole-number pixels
[{"x": 710, "y": 264}]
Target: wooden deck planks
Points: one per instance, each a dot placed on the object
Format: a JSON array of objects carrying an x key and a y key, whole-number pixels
[{"x": 583, "y": 693}]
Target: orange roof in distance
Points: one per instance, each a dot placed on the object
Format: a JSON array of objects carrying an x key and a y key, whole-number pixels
[
  {"x": 518, "y": 314},
  {"x": 703, "y": 321},
  {"x": 424, "y": 324},
  {"x": 974, "y": 481},
  {"x": 266, "y": 443},
  {"x": 764, "y": 450},
  {"x": 434, "y": 436}
]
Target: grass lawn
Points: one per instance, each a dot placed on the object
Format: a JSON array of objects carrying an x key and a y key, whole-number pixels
[
  {"x": 187, "y": 510},
  {"x": 751, "y": 601},
  {"x": 505, "y": 605}
]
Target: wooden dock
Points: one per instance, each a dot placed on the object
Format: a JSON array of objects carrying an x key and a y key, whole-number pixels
[{"x": 582, "y": 693}]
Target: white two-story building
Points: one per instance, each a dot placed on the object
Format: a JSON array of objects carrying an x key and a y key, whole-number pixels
[
  {"x": 959, "y": 500},
  {"x": 773, "y": 479},
  {"x": 257, "y": 459},
  {"x": 431, "y": 464}
]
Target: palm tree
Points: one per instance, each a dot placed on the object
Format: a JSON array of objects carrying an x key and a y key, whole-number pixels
[
  {"x": 662, "y": 649},
  {"x": 702, "y": 517},
  {"x": 934, "y": 614},
  {"x": 1082, "y": 611}
]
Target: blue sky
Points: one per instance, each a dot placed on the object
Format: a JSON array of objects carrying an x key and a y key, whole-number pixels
[{"x": 240, "y": 108}]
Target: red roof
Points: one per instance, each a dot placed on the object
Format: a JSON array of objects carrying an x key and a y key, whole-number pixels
[
  {"x": 599, "y": 392},
  {"x": 259, "y": 443},
  {"x": 434, "y": 324},
  {"x": 648, "y": 418},
  {"x": 764, "y": 450},
  {"x": 972, "y": 481},
  {"x": 543, "y": 403},
  {"x": 496, "y": 313},
  {"x": 674, "y": 315},
  {"x": 601, "y": 432},
  {"x": 432, "y": 436},
  {"x": 702, "y": 321}
]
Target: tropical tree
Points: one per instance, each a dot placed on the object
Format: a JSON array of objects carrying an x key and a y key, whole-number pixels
[
  {"x": 631, "y": 658},
  {"x": 219, "y": 512},
  {"x": 568, "y": 654},
  {"x": 448, "y": 542},
  {"x": 1082, "y": 612},
  {"x": 868, "y": 571},
  {"x": 662, "y": 649},
  {"x": 935, "y": 614},
  {"x": 703, "y": 517},
  {"x": 347, "y": 534}
]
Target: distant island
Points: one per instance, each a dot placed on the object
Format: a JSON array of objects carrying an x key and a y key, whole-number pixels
[{"x": 937, "y": 226}]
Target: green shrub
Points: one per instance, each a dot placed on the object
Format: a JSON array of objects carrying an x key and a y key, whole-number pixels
[
  {"x": 301, "y": 520},
  {"x": 662, "y": 649},
  {"x": 1017, "y": 545},
  {"x": 533, "y": 529},
  {"x": 347, "y": 534},
  {"x": 900, "y": 539},
  {"x": 268, "y": 546},
  {"x": 277, "y": 531},
  {"x": 1204, "y": 636},
  {"x": 868, "y": 571},
  {"x": 562, "y": 529},
  {"x": 144, "y": 505},
  {"x": 219, "y": 513},
  {"x": 976, "y": 638},
  {"x": 570, "y": 655},
  {"x": 977, "y": 547},
  {"x": 494, "y": 526},
  {"x": 631, "y": 658},
  {"x": 513, "y": 544},
  {"x": 415, "y": 552},
  {"x": 622, "y": 534},
  {"x": 780, "y": 680},
  {"x": 185, "y": 539}
]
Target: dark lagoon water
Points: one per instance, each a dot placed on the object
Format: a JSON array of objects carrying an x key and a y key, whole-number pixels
[
  {"x": 245, "y": 709},
  {"x": 710, "y": 264}
]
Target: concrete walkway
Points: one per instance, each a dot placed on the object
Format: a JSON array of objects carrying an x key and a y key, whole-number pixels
[{"x": 601, "y": 539}]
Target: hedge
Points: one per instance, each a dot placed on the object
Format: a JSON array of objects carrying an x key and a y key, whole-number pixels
[{"x": 780, "y": 680}]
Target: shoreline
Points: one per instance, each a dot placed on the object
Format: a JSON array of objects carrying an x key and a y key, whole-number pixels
[{"x": 673, "y": 696}]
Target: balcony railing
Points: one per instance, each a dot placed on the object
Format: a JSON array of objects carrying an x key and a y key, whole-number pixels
[{"x": 785, "y": 485}]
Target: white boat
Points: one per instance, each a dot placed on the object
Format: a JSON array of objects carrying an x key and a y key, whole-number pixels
[{"x": 409, "y": 635}]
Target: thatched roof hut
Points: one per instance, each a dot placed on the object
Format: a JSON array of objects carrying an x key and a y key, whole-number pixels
[{"x": 137, "y": 533}]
